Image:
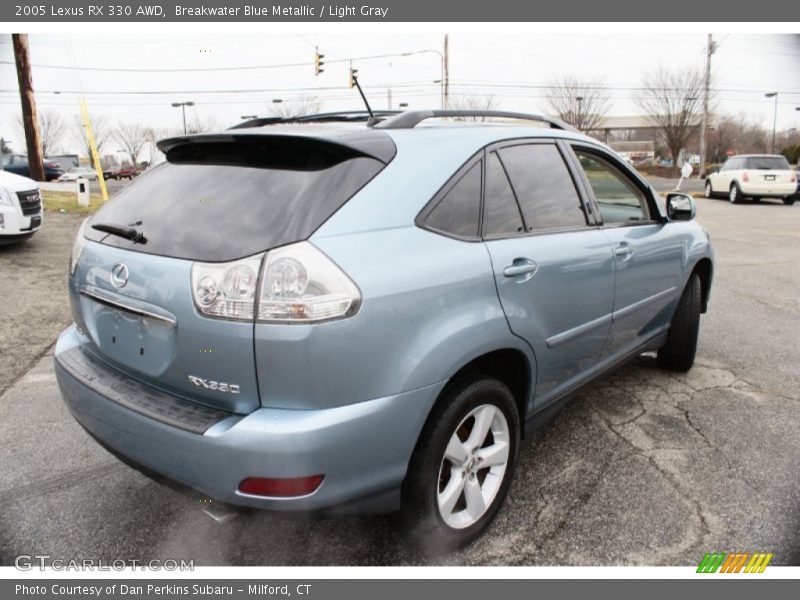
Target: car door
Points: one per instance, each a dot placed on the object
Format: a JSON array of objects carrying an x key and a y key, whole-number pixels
[
  {"x": 553, "y": 269},
  {"x": 647, "y": 258}
]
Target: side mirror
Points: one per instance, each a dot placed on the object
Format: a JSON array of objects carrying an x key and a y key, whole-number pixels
[{"x": 680, "y": 207}]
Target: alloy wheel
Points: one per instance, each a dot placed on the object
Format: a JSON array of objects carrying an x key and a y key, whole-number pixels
[{"x": 473, "y": 467}]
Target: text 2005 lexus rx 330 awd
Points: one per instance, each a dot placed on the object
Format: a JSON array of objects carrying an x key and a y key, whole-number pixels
[{"x": 317, "y": 313}]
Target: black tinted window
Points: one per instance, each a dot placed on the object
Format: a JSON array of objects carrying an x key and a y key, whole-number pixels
[
  {"x": 223, "y": 201},
  {"x": 458, "y": 211},
  {"x": 501, "y": 212},
  {"x": 767, "y": 163},
  {"x": 544, "y": 188}
]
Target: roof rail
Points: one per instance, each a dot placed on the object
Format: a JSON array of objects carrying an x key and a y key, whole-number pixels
[
  {"x": 339, "y": 117},
  {"x": 412, "y": 118}
]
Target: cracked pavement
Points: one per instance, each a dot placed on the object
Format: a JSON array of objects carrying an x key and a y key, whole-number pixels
[{"x": 642, "y": 467}]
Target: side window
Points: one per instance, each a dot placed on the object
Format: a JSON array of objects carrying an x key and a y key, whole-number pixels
[
  {"x": 543, "y": 186},
  {"x": 619, "y": 201},
  {"x": 458, "y": 212},
  {"x": 501, "y": 212},
  {"x": 725, "y": 166}
]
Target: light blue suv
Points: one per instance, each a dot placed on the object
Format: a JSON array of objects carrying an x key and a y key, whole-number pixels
[{"x": 319, "y": 313}]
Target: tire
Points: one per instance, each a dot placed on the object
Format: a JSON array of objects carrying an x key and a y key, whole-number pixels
[
  {"x": 789, "y": 201},
  {"x": 678, "y": 352},
  {"x": 435, "y": 511},
  {"x": 756, "y": 200},
  {"x": 735, "y": 193},
  {"x": 709, "y": 190}
]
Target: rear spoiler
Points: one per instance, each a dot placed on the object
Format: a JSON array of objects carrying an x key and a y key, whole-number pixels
[{"x": 370, "y": 143}]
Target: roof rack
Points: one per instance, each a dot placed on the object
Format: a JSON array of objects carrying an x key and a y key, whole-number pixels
[
  {"x": 412, "y": 118},
  {"x": 352, "y": 116}
]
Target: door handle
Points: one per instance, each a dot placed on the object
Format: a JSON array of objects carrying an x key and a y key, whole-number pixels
[
  {"x": 624, "y": 250},
  {"x": 522, "y": 268}
]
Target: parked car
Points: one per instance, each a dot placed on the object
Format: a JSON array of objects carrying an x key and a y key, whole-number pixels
[
  {"x": 20, "y": 207},
  {"x": 74, "y": 174},
  {"x": 121, "y": 173},
  {"x": 18, "y": 164},
  {"x": 294, "y": 317},
  {"x": 755, "y": 176}
]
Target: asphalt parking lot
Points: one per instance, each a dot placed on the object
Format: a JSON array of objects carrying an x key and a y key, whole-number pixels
[{"x": 643, "y": 467}]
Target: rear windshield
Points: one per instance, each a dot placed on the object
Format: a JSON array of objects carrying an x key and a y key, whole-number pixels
[
  {"x": 220, "y": 201},
  {"x": 767, "y": 163}
]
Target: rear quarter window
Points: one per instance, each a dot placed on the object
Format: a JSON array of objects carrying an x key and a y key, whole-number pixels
[{"x": 220, "y": 201}]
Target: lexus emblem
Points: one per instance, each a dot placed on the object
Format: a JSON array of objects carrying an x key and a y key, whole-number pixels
[{"x": 119, "y": 275}]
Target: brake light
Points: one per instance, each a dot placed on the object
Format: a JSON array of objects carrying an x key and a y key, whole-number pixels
[
  {"x": 745, "y": 176},
  {"x": 226, "y": 290},
  {"x": 281, "y": 487},
  {"x": 792, "y": 178},
  {"x": 302, "y": 285}
]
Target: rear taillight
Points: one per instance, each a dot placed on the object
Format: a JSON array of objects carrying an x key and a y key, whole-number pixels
[
  {"x": 299, "y": 284},
  {"x": 227, "y": 290},
  {"x": 745, "y": 176},
  {"x": 281, "y": 487},
  {"x": 77, "y": 248},
  {"x": 792, "y": 178},
  {"x": 302, "y": 285}
]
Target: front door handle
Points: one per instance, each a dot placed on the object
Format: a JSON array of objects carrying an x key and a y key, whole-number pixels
[{"x": 522, "y": 268}]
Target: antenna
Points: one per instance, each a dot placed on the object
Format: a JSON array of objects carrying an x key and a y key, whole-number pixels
[{"x": 354, "y": 79}]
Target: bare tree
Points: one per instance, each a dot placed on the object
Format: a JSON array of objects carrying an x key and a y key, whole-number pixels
[
  {"x": 473, "y": 103},
  {"x": 133, "y": 138},
  {"x": 673, "y": 100},
  {"x": 101, "y": 129},
  {"x": 52, "y": 127},
  {"x": 297, "y": 107},
  {"x": 198, "y": 123},
  {"x": 580, "y": 102}
]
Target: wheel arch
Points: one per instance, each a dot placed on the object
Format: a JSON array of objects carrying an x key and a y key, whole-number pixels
[{"x": 509, "y": 365}]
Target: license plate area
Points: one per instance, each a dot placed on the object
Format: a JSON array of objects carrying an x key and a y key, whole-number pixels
[{"x": 769, "y": 177}]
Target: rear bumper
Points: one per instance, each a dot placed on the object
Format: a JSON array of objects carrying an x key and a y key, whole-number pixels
[
  {"x": 362, "y": 449},
  {"x": 769, "y": 191}
]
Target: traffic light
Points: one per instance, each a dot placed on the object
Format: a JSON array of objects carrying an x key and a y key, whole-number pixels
[
  {"x": 318, "y": 62},
  {"x": 352, "y": 80}
]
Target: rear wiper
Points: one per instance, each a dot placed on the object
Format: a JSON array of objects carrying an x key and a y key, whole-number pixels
[{"x": 123, "y": 231}]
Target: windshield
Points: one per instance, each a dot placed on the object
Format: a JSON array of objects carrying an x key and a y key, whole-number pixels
[
  {"x": 767, "y": 163},
  {"x": 222, "y": 201}
]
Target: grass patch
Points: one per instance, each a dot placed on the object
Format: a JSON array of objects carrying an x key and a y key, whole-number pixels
[{"x": 68, "y": 202}]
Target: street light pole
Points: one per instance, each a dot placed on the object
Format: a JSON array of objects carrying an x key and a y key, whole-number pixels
[
  {"x": 774, "y": 117},
  {"x": 183, "y": 106},
  {"x": 442, "y": 78}
]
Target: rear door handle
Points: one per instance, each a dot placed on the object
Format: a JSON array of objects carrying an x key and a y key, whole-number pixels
[
  {"x": 522, "y": 268},
  {"x": 624, "y": 250}
]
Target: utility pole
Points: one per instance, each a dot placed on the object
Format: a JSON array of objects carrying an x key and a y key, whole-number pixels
[
  {"x": 710, "y": 49},
  {"x": 446, "y": 82},
  {"x": 30, "y": 120}
]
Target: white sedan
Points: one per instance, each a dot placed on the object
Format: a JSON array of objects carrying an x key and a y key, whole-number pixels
[{"x": 74, "y": 174}]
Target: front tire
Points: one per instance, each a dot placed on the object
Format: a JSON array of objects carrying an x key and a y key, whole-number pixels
[
  {"x": 678, "y": 352},
  {"x": 709, "y": 190},
  {"x": 462, "y": 465},
  {"x": 735, "y": 194}
]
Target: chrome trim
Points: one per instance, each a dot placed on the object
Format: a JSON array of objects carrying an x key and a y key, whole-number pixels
[
  {"x": 569, "y": 334},
  {"x": 128, "y": 308}
]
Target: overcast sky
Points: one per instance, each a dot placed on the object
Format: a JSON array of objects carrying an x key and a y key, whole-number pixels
[{"x": 154, "y": 71}]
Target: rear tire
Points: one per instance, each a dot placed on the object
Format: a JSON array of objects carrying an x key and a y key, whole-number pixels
[
  {"x": 709, "y": 190},
  {"x": 735, "y": 193},
  {"x": 789, "y": 201},
  {"x": 462, "y": 465},
  {"x": 678, "y": 352}
]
